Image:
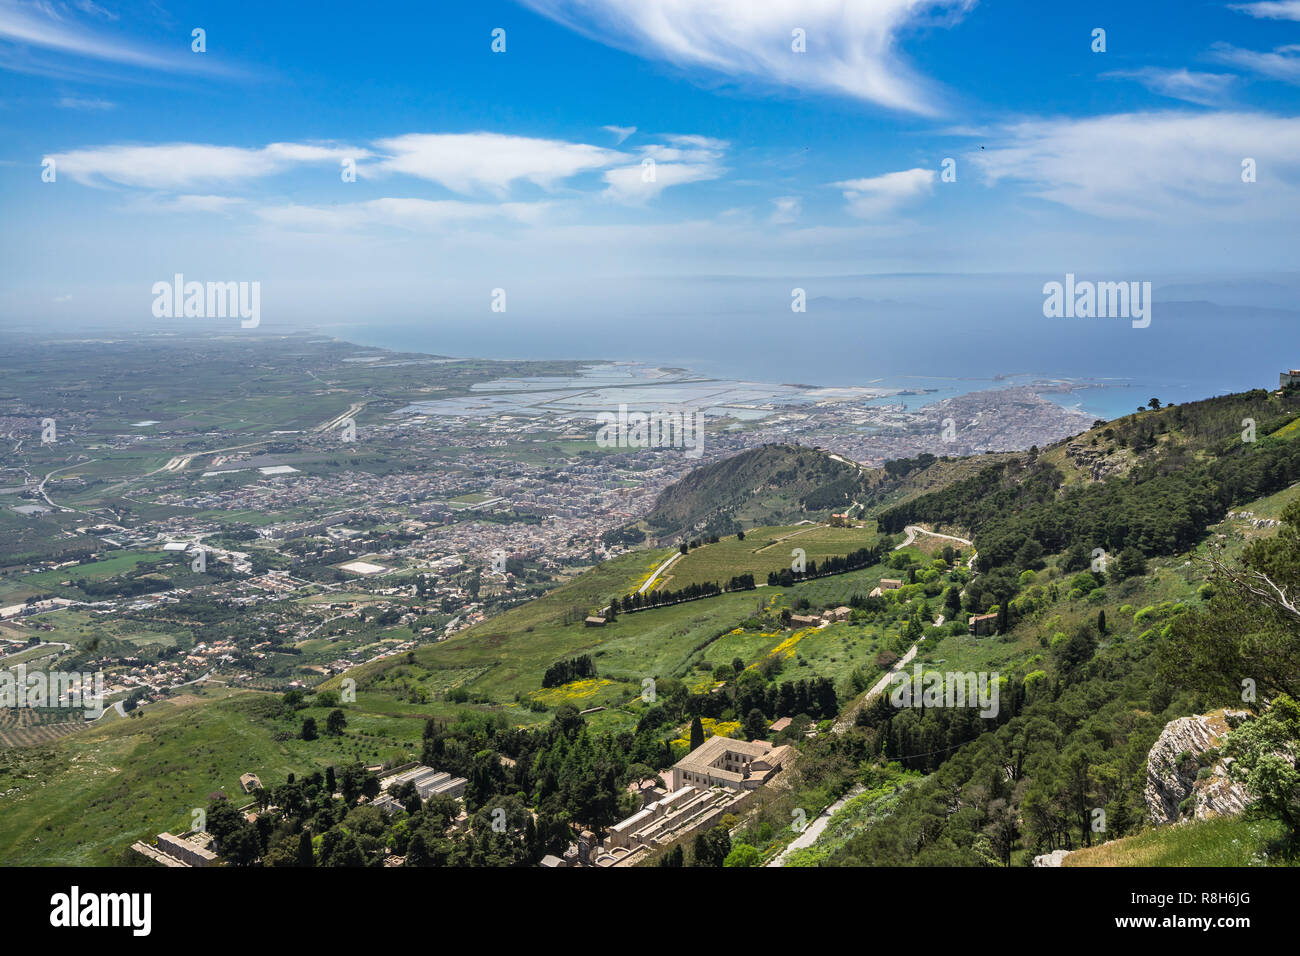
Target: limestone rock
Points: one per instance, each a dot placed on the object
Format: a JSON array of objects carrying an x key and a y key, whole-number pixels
[
  {"x": 1051, "y": 859},
  {"x": 1175, "y": 770}
]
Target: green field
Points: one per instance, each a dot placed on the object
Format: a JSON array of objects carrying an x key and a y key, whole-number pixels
[
  {"x": 763, "y": 550},
  {"x": 86, "y": 797}
]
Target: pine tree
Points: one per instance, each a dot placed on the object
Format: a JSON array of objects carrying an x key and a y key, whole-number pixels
[
  {"x": 697, "y": 733},
  {"x": 305, "y": 857}
]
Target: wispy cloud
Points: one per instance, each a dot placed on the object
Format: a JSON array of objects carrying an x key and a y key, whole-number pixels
[
  {"x": 620, "y": 132},
  {"x": 52, "y": 29},
  {"x": 678, "y": 160},
  {"x": 1270, "y": 9},
  {"x": 1206, "y": 89},
  {"x": 1177, "y": 166},
  {"x": 787, "y": 209},
  {"x": 850, "y": 48},
  {"x": 183, "y": 165},
  {"x": 94, "y": 9},
  {"x": 878, "y": 196},
  {"x": 79, "y": 103},
  {"x": 1283, "y": 63},
  {"x": 404, "y": 213}
]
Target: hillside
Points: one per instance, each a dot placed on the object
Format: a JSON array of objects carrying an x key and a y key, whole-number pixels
[
  {"x": 771, "y": 485},
  {"x": 902, "y": 480},
  {"x": 1091, "y": 665}
]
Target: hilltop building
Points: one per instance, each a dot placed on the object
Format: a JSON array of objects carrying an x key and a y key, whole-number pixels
[{"x": 723, "y": 762}]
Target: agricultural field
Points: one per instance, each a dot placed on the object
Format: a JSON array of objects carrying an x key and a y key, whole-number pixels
[
  {"x": 28, "y": 727},
  {"x": 762, "y": 551}
]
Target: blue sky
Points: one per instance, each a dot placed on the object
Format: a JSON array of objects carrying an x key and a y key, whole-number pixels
[{"x": 527, "y": 169}]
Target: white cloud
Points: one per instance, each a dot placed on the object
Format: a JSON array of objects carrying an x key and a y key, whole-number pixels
[
  {"x": 1206, "y": 89},
  {"x": 468, "y": 163},
  {"x": 181, "y": 165},
  {"x": 1282, "y": 64},
  {"x": 1270, "y": 9},
  {"x": 678, "y": 160},
  {"x": 42, "y": 26},
  {"x": 472, "y": 162},
  {"x": 193, "y": 203},
  {"x": 640, "y": 183},
  {"x": 621, "y": 132},
  {"x": 879, "y": 196},
  {"x": 94, "y": 9},
  {"x": 1171, "y": 165},
  {"x": 788, "y": 209},
  {"x": 78, "y": 103},
  {"x": 851, "y": 47},
  {"x": 405, "y": 213}
]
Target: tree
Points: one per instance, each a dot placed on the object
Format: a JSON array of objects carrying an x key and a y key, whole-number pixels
[
  {"x": 417, "y": 851},
  {"x": 1029, "y": 556},
  {"x": 335, "y": 722},
  {"x": 755, "y": 725},
  {"x": 305, "y": 857},
  {"x": 1154, "y": 404},
  {"x": 673, "y": 858},
  {"x": 1077, "y": 558},
  {"x": 612, "y": 613},
  {"x": 697, "y": 732},
  {"x": 1002, "y": 622},
  {"x": 1131, "y": 563},
  {"x": 1073, "y": 653},
  {"x": 742, "y": 855},
  {"x": 1101, "y": 621},
  {"x": 740, "y": 536},
  {"x": 1266, "y": 751},
  {"x": 1250, "y": 626},
  {"x": 309, "y": 728},
  {"x": 712, "y": 848}
]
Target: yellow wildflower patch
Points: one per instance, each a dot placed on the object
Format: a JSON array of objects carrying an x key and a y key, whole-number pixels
[{"x": 574, "y": 690}]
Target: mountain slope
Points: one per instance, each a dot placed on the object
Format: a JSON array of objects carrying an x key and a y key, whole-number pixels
[{"x": 771, "y": 485}]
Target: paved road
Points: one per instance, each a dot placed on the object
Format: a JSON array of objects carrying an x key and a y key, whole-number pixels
[
  {"x": 658, "y": 571},
  {"x": 847, "y": 721},
  {"x": 814, "y": 829}
]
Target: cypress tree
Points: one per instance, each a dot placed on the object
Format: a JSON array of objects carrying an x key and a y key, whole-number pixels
[{"x": 697, "y": 733}]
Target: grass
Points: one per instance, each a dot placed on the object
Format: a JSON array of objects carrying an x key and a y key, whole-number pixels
[
  {"x": 763, "y": 550},
  {"x": 1221, "y": 841},
  {"x": 85, "y": 798}
]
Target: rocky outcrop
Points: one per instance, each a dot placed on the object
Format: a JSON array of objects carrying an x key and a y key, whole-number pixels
[
  {"x": 1055, "y": 858},
  {"x": 1186, "y": 777},
  {"x": 1097, "y": 461}
]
